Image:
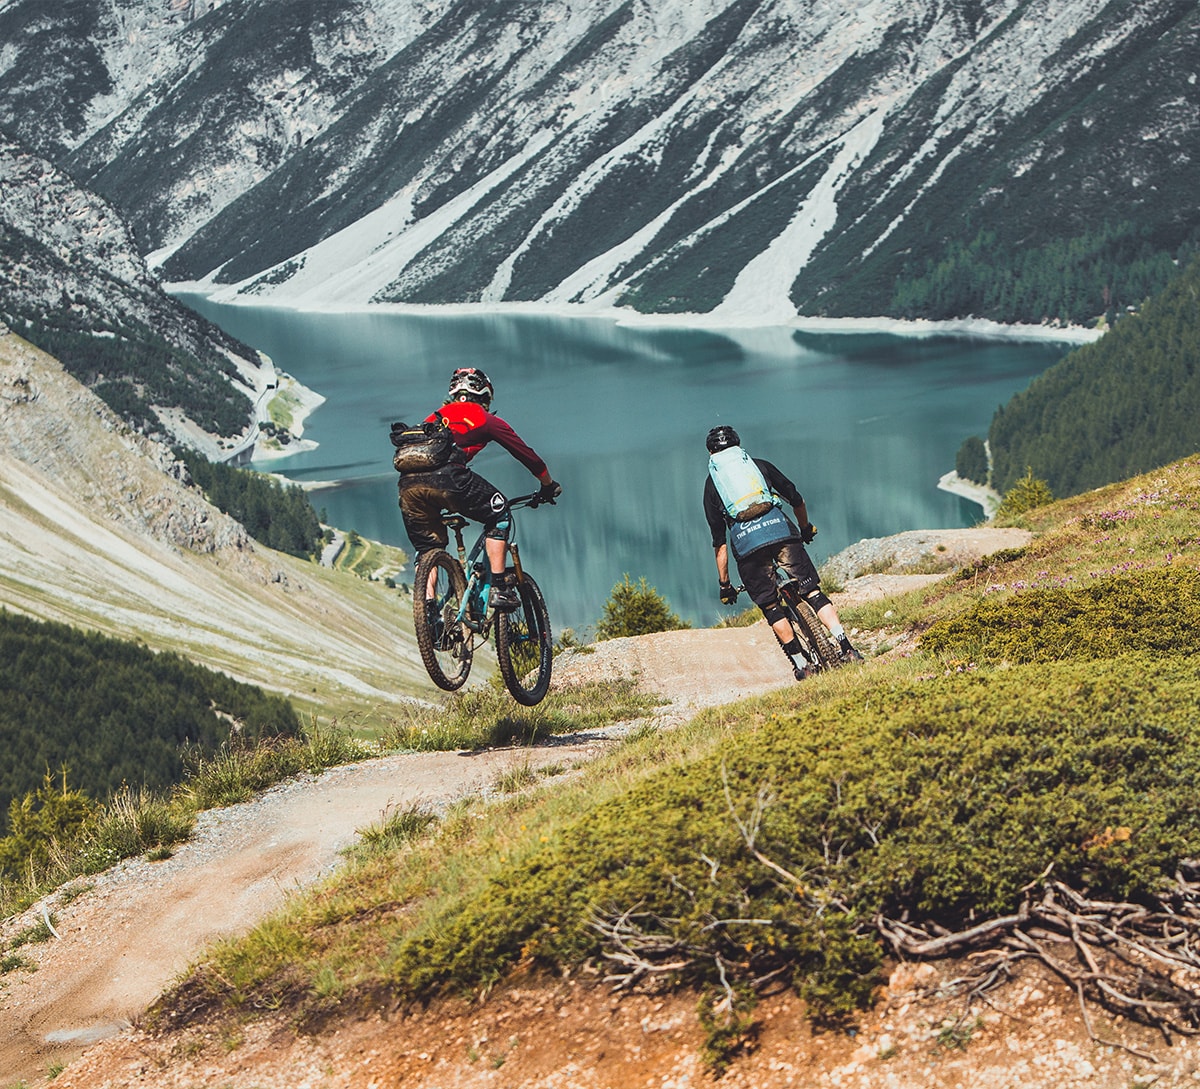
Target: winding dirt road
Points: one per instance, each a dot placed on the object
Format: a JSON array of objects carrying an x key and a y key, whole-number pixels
[
  {"x": 121, "y": 941},
  {"x": 139, "y": 925}
]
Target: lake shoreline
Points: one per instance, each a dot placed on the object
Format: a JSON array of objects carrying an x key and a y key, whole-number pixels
[
  {"x": 968, "y": 328},
  {"x": 867, "y": 426},
  {"x": 985, "y": 497}
]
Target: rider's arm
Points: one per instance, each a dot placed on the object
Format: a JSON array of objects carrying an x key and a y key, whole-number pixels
[
  {"x": 785, "y": 489},
  {"x": 780, "y": 484},
  {"x": 714, "y": 514},
  {"x": 499, "y": 431},
  {"x": 722, "y": 554}
]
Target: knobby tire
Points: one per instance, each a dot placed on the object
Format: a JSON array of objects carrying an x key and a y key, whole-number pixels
[
  {"x": 813, "y": 632},
  {"x": 523, "y": 645},
  {"x": 445, "y": 646}
]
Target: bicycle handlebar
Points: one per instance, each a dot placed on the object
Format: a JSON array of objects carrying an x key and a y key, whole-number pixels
[{"x": 532, "y": 500}]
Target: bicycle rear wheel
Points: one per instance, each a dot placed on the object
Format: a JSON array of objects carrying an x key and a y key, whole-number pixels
[
  {"x": 445, "y": 645},
  {"x": 813, "y": 632},
  {"x": 523, "y": 645}
]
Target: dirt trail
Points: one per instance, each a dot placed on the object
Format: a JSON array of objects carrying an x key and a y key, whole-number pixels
[
  {"x": 122, "y": 941},
  {"x": 142, "y": 923}
]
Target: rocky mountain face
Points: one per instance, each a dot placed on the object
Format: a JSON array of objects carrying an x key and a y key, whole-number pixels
[
  {"x": 99, "y": 529},
  {"x": 748, "y": 157},
  {"x": 74, "y": 282}
]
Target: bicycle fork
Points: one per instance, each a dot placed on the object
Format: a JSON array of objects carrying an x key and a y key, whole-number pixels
[{"x": 516, "y": 559}]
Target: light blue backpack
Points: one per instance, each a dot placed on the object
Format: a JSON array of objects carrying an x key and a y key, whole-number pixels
[{"x": 740, "y": 484}]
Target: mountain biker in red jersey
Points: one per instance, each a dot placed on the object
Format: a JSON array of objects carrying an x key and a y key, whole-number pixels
[
  {"x": 454, "y": 487},
  {"x": 762, "y": 535}
]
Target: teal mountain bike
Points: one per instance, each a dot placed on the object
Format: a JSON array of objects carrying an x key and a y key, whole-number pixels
[{"x": 452, "y": 615}]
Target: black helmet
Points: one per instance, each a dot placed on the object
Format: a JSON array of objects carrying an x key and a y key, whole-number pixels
[
  {"x": 470, "y": 384},
  {"x": 721, "y": 437}
]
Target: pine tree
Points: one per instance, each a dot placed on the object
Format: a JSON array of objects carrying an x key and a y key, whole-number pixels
[{"x": 636, "y": 610}]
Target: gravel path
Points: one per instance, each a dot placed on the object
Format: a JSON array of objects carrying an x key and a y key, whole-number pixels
[{"x": 142, "y": 923}]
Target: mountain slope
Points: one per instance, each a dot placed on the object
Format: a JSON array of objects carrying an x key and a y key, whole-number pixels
[
  {"x": 75, "y": 284},
  {"x": 1123, "y": 405},
  {"x": 922, "y": 769},
  {"x": 95, "y": 531},
  {"x": 737, "y": 156},
  {"x": 295, "y": 832}
]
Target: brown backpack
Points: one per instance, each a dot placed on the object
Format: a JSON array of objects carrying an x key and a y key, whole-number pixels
[{"x": 424, "y": 446}]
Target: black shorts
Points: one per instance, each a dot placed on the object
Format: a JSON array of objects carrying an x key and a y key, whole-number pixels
[
  {"x": 423, "y": 497},
  {"x": 757, "y": 572}
]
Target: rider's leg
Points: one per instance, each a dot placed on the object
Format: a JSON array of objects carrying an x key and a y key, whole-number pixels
[
  {"x": 757, "y": 572},
  {"x": 422, "y": 497},
  {"x": 483, "y": 502},
  {"x": 496, "y": 549},
  {"x": 782, "y": 627},
  {"x": 788, "y": 640},
  {"x": 828, "y": 616},
  {"x": 799, "y": 566}
]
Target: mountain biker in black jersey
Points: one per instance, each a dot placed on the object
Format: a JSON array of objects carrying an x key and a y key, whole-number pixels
[
  {"x": 742, "y": 500},
  {"x": 454, "y": 487}
]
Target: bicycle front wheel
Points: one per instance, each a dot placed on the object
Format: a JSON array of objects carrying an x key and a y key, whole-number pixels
[
  {"x": 523, "y": 646},
  {"x": 445, "y": 644},
  {"x": 813, "y": 632}
]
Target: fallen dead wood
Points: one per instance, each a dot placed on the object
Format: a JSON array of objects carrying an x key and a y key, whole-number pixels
[{"x": 1141, "y": 961}]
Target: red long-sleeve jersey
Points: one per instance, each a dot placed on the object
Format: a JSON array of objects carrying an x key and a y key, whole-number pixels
[{"x": 474, "y": 427}]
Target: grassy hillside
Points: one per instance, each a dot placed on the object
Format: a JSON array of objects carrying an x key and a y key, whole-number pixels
[
  {"x": 1039, "y": 749},
  {"x": 96, "y": 532}
]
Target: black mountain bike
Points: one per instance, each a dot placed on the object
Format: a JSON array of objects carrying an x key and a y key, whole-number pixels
[
  {"x": 452, "y": 615},
  {"x": 819, "y": 649}
]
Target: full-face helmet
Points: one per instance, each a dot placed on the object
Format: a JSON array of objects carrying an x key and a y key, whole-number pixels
[
  {"x": 722, "y": 437},
  {"x": 470, "y": 384}
]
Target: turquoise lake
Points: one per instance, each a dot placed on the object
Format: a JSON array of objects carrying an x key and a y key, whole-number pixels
[{"x": 865, "y": 423}]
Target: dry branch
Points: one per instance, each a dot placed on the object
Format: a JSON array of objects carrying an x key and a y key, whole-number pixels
[{"x": 1138, "y": 960}]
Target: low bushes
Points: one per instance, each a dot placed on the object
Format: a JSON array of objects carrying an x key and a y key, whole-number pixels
[
  {"x": 1154, "y": 610},
  {"x": 938, "y": 798}
]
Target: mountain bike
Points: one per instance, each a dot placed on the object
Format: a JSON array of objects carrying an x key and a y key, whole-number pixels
[
  {"x": 452, "y": 615},
  {"x": 819, "y": 649}
]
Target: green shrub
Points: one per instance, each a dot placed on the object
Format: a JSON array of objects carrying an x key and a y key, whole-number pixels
[
  {"x": 240, "y": 769},
  {"x": 941, "y": 799},
  {"x": 133, "y": 823},
  {"x": 43, "y": 817},
  {"x": 1156, "y": 610},
  {"x": 397, "y": 828},
  {"x": 636, "y": 610},
  {"x": 1026, "y": 494}
]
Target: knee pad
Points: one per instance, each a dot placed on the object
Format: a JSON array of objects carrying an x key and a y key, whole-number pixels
[
  {"x": 774, "y": 613},
  {"x": 817, "y": 599},
  {"x": 498, "y": 531}
]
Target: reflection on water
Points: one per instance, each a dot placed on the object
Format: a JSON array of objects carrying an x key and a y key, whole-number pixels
[{"x": 864, "y": 423}]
